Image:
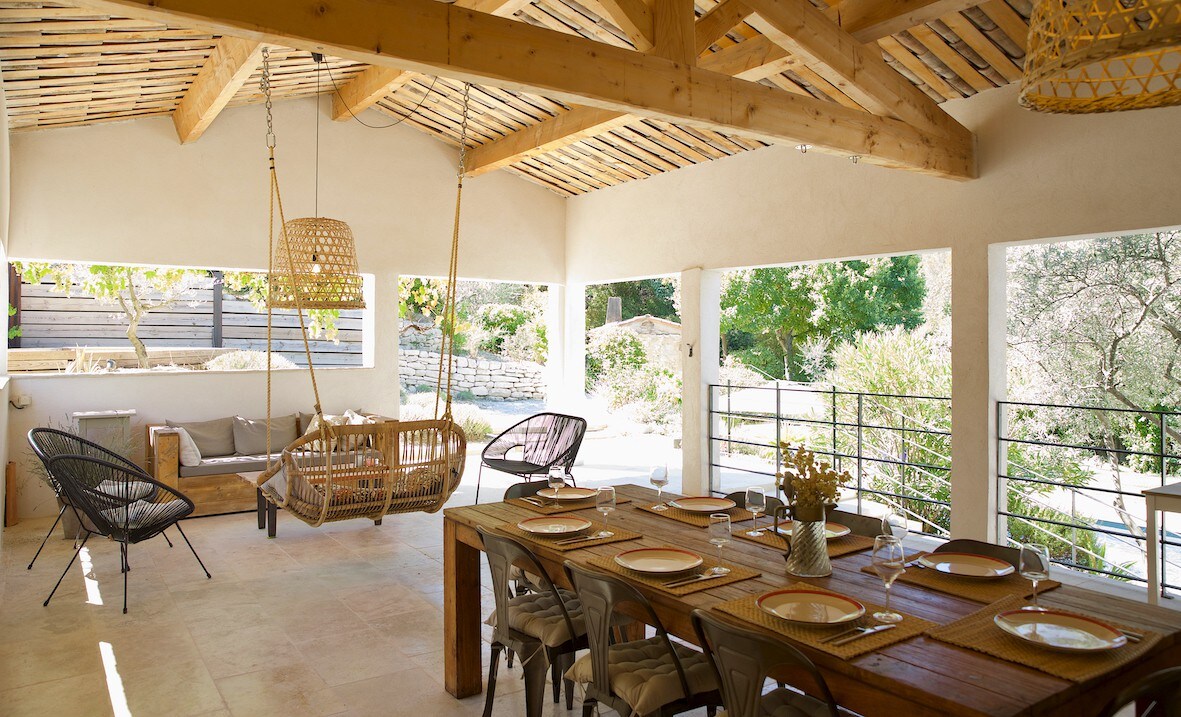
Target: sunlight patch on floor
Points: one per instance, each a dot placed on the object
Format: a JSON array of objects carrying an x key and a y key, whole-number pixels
[
  {"x": 114, "y": 681},
  {"x": 93, "y": 596}
]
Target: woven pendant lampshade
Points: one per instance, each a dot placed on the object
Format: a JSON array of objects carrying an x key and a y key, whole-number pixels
[
  {"x": 318, "y": 258},
  {"x": 1103, "y": 55}
]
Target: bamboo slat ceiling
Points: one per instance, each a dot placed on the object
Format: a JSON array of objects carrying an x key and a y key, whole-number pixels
[{"x": 64, "y": 66}]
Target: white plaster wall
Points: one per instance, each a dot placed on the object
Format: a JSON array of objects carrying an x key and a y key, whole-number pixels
[
  {"x": 131, "y": 192},
  {"x": 1041, "y": 176}
]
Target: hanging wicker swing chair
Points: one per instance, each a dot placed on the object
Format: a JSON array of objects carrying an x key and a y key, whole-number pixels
[{"x": 353, "y": 471}]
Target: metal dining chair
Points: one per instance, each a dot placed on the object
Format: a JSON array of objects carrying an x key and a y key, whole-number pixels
[
  {"x": 544, "y": 628},
  {"x": 979, "y": 547},
  {"x": 739, "y": 498},
  {"x": 534, "y": 445},
  {"x": 859, "y": 524},
  {"x": 652, "y": 676},
  {"x": 1157, "y": 695},
  {"x": 743, "y": 659}
]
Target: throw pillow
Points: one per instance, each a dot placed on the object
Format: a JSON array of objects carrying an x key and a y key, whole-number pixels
[
  {"x": 213, "y": 438},
  {"x": 250, "y": 434},
  {"x": 190, "y": 455},
  {"x": 314, "y": 429}
]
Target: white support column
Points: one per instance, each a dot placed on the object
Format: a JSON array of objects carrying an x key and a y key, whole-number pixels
[
  {"x": 978, "y": 381},
  {"x": 555, "y": 331},
  {"x": 567, "y": 391},
  {"x": 700, "y": 349},
  {"x": 382, "y": 329}
]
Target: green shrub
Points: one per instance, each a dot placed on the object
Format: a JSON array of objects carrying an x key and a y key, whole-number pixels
[
  {"x": 247, "y": 361},
  {"x": 612, "y": 350},
  {"x": 653, "y": 395}
]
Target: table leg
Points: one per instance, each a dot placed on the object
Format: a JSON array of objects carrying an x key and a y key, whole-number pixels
[
  {"x": 262, "y": 509},
  {"x": 272, "y": 519},
  {"x": 1151, "y": 538},
  {"x": 461, "y": 614}
]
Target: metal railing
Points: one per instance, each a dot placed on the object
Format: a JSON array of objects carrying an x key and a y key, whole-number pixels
[
  {"x": 897, "y": 447},
  {"x": 1077, "y": 486}
]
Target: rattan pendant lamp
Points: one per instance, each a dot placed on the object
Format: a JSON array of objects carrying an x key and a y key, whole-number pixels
[{"x": 1090, "y": 56}]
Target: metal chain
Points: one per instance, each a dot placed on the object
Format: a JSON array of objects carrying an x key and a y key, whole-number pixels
[
  {"x": 463, "y": 133},
  {"x": 264, "y": 84}
]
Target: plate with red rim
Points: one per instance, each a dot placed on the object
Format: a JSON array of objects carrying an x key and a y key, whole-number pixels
[
  {"x": 703, "y": 504},
  {"x": 568, "y": 493},
  {"x": 810, "y": 607},
  {"x": 832, "y": 531},
  {"x": 967, "y": 565},
  {"x": 556, "y": 525},
  {"x": 659, "y": 561},
  {"x": 1061, "y": 631}
]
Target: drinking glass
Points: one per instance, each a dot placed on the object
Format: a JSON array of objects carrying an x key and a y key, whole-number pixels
[
  {"x": 756, "y": 503},
  {"x": 557, "y": 478},
  {"x": 1035, "y": 566},
  {"x": 895, "y": 524},
  {"x": 888, "y": 562},
  {"x": 658, "y": 477},
  {"x": 719, "y": 535},
  {"x": 605, "y": 503}
]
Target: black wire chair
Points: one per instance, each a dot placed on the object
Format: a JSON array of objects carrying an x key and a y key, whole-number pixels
[
  {"x": 112, "y": 513},
  {"x": 48, "y": 443},
  {"x": 544, "y": 440},
  {"x": 1157, "y": 695}
]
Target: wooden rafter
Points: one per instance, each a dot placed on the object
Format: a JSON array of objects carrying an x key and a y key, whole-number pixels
[
  {"x": 753, "y": 59},
  {"x": 229, "y": 66},
  {"x": 634, "y": 17},
  {"x": 433, "y": 37},
  {"x": 364, "y": 90}
]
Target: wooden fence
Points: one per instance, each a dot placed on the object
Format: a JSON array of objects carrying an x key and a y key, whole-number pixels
[{"x": 207, "y": 318}]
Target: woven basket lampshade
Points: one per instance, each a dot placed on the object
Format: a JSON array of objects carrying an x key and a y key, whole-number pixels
[
  {"x": 324, "y": 257},
  {"x": 1103, "y": 55}
]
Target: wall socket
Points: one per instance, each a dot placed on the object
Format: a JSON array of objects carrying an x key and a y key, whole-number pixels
[{"x": 22, "y": 400}]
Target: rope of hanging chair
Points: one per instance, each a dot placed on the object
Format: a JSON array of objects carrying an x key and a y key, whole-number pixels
[{"x": 447, "y": 345}]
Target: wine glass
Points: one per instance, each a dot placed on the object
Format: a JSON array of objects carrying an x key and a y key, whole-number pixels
[
  {"x": 888, "y": 563},
  {"x": 894, "y": 523},
  {"x": 557, "y": 479},
  {"x": 658, "y": 477},
  {"x": 605, "y": 503},
  {"x": 756, "y": 503},
  {"x": 719, "y": 535},
  {"x": 1035, "y": 567}
]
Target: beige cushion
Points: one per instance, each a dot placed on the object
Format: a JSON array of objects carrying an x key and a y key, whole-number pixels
[
  {"x": 538, "y": 615},
  {"x": 213, "y": 438},
  {"x": 250, "y": 434},
  {"x": 190, "y": 455},
  {"x": 782, "y": 702},
  {"x": 642, "y": 673}
]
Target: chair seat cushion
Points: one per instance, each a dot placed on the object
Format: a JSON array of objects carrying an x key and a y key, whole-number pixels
[
  {"x": 515, "y": 467},
  {"x": 142, "y": 514},
  {"x": 643, "y": 674},
  {"x": 225, "y": 465},
  {"x": 539, "y": 616},
  {"x": 127, "y": 490},
  {"x": 782, "y": 702}
]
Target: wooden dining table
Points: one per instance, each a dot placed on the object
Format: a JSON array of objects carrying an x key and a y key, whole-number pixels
[{"x": 920, "y": 676}]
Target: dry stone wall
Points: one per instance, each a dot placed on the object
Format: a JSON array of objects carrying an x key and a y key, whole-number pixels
[{"x": 504, "y": 380}]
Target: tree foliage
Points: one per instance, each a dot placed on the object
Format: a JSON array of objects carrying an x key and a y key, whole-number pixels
[
  {"x": 136, "y": 290},
  {"x": 252, "y": 286},
  {"x": 785, "y": 320},
  {"x": 654, "y": 297}
]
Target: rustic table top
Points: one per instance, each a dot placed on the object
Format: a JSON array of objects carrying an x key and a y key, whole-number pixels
[{"x": 917, "y": 677}]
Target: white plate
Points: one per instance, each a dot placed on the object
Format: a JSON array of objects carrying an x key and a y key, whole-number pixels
[
  {"x": 1060, "y": 631},
  {"x": 659, "y": 561},
  {"x": 703, "y": 504},
  {"x": 811, "y": 607},
  {"x": 831, "y": 530},
  {"x": 567, "y": 493},
  {"x": 967, "y": 565},
  {"x": 554, "y": 525}
]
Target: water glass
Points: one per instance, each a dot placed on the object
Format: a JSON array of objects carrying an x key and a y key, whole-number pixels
[
  {"x": 557, "y": 478},
  {"x": 719, "y": 535},
  {"x": 895, "y": 524},
  {"x": 605, "y": 503},
  {"x": 1035, "y": 567},
  {"x": 756, "y": 503},
  {"x": 888, "y": 562},
  {"x": 658, "y": 477}
]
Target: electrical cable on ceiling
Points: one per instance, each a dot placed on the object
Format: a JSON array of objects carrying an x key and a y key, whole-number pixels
[{"x": 400, "y": 120}]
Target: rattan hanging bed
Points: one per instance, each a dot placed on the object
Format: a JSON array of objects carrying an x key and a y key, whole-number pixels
[{"x": 354, "y": 471}]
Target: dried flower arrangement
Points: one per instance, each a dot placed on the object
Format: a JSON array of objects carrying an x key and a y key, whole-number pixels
[{"x": 808, "y": 481}]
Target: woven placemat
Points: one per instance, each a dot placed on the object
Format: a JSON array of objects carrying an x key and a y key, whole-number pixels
[
  {"x": 747, "y": 610},
  {"x": 837, "y": 547},
  {"x": 701, "y": 520},
  {"x": 619, "y": 536},
  {"x": 985, "y": 591},
  {"x": 565, "y": 506},
  {"x": 978, "y": 632},
  {"x": 737, "y": 574}
]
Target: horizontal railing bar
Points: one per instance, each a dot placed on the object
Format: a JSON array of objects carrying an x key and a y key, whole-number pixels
[
  {"x": 821, "y": 422},
  {"x": 1099, "y": 449},
  {"x": 1149, "y": 411},
  {"x": 1040, "y": 481},
  {"x": 1091, "y": 528},
  {"x": 823, "y": 392}
]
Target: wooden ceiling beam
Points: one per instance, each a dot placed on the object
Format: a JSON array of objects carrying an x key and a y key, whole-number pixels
[
  {"x": 856, "y": 69},
  {"x": 433, "y": 37},
  {"x": 673, "y": 22},
  {"x": 365, "y": 90},
  {"x": 752, "y": 60},
  {"x": 229, "y": 66},
  {"x": 634, "y": 17}
]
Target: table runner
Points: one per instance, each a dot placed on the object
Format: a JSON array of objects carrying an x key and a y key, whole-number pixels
[
  {"x": 565, "y": 506},
  {"x": 619, "y": 536},
  {"x": 701, "y": 520},
  {"x": 737, "y": 574},
  {"x": 748, "y": 611},
  {"x": 978, "y": 632},
  {"x": 985, "y": 591}
]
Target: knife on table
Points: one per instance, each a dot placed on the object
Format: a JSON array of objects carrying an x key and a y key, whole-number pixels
[{"x": 864, "y": 633}]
